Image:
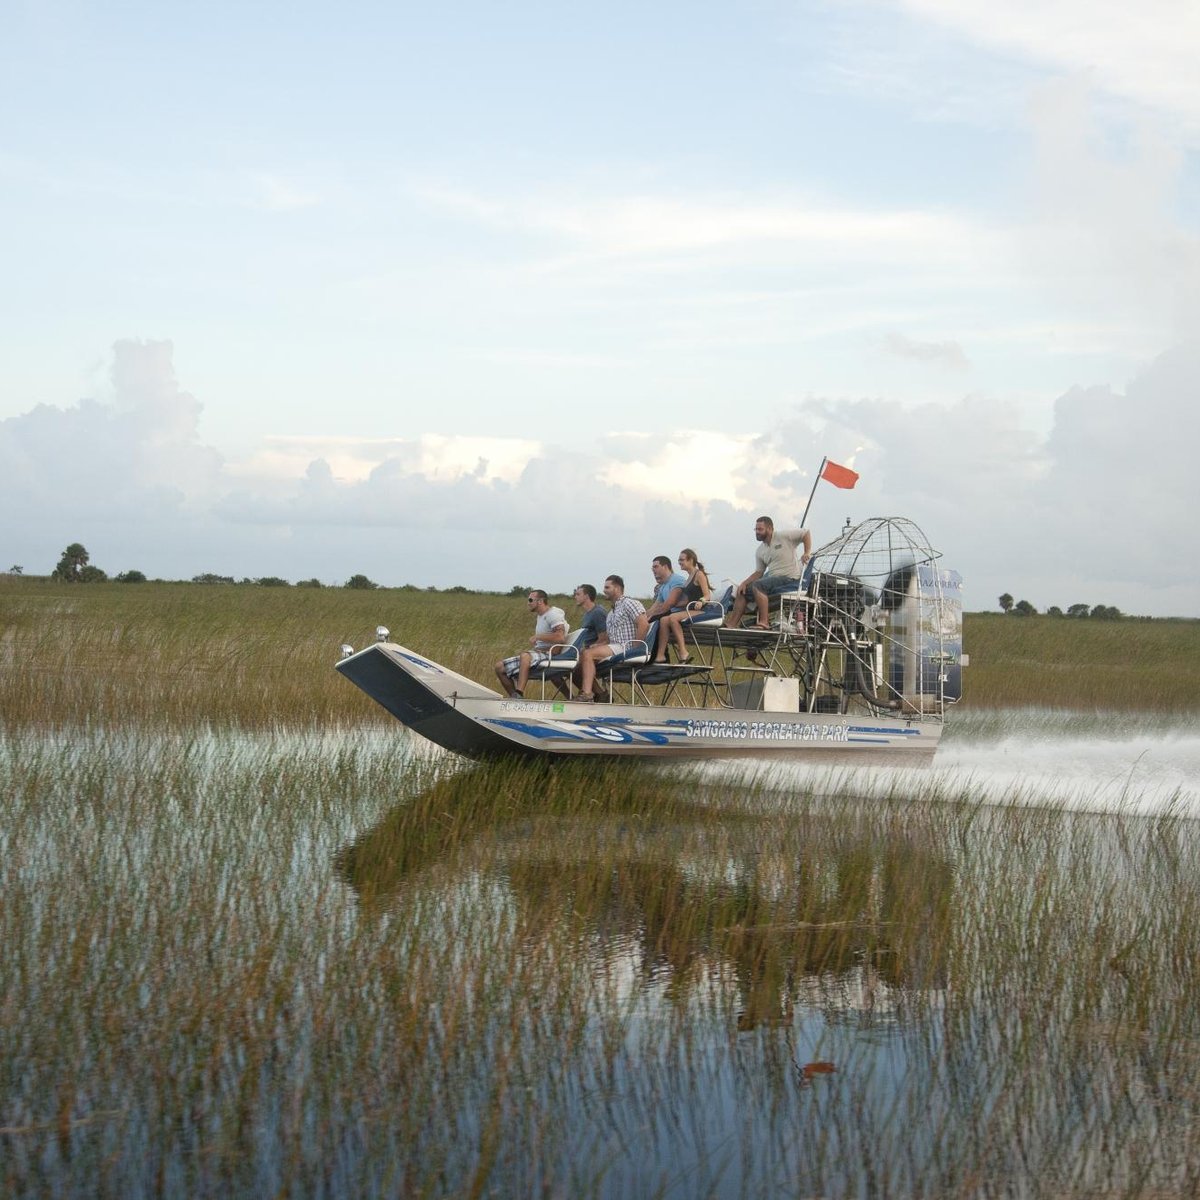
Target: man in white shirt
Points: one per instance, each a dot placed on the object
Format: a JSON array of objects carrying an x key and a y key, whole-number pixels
[{"x": 550, "y": 630}]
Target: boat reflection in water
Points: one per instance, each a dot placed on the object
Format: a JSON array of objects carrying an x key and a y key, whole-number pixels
[{"x": 678, "y": 901}]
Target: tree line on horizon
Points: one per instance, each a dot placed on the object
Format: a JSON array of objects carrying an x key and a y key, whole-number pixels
[
  {"x": 1098, "y": 612},
  {"x": 75, "y": 566}
]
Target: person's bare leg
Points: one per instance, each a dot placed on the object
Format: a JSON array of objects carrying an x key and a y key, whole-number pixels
[
  {"x": 762, "y": 605},
  {"x": 664, "y": 634},
  {"x": 734, "y": 619},
  {"x": 505, "y": 679},
  {"x": 587, "y": 672},
  {"x": 588, "y": 668},
  {"x": 523, "y": 672},
  {"x": 677, "y": 634}
]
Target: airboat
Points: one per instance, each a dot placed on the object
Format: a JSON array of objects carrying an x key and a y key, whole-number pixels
[{"x": 861, "y": 664}]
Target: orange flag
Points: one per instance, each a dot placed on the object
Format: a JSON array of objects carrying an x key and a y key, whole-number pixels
[{"x": 841, "y": 477}]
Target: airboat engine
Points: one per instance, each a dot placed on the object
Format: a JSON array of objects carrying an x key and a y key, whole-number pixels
[{"x": 887, "y": 619}]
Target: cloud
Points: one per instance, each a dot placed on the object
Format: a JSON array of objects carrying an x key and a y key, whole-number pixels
[
  {"x": 138, "y": 453},
  {"x": 1145, "y": 53},
  {"x": 1103, "y": 227},
  {"x": 945, "y": 354},
  {"x": 1098, "y": 510},
  {"x": 673, "y": 227}
]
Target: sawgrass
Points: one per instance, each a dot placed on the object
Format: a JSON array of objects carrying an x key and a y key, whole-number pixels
[
  {"x": 179, "y": 655},
  {"x": 1083, "y": 664},
  {"x": 268, "y": 964}
]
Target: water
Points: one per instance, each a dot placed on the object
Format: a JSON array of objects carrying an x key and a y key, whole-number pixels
[
  {"x": 342, "y": 965},
  {"x": 1087, "y": 762}
]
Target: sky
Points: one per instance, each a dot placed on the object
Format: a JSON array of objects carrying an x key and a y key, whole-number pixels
[{"x": 523, "y": 295}]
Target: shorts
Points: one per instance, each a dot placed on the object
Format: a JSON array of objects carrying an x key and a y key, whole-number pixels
[
  {"x": 773, "y": 585},
  {"x": 537, "y": 658}
]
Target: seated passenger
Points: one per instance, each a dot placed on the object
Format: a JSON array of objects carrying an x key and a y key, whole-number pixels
[
  {"x": 778, "y": 569},
  {"x": 550, "y": 629},
  {"x": 623, "y": 626},
  {"x": 668, "y": 588},
  {"x": 697, "y": 592},
  {"x": 590, "y": 629}
]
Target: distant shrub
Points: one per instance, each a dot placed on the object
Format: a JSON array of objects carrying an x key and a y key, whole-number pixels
[
  {"x": 131, "y": 577},
  {"x": 209, "y": 577},
  {"x": 309, "y": 583},
  {"x": 90, "y": 574},
  {"x": 272, "y": 581},
  {"x": 361, "y": 583}
]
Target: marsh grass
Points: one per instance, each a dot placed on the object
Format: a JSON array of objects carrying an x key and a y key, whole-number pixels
[
  {"x": 260, "y": 964},
  {"x": 1058, "y": 662},
  {"x": 258, "y": 941},
  {"x": 179, "y": 655}
]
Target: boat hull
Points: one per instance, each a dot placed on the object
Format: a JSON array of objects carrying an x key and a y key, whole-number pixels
[{"x": 460, "y": 715}]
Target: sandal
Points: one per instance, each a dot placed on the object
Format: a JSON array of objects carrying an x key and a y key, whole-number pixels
[{"x": 586, "y": 698}]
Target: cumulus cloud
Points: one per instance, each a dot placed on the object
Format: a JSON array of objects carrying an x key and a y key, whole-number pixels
[
  {"x": 114, "y": 459},
  {"x": 1097, "y": 511}
]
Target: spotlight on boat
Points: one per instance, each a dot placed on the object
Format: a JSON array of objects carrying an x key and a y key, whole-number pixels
[
  {"x": 347, "y": 649},
  {"x": 382, "y": 633}
]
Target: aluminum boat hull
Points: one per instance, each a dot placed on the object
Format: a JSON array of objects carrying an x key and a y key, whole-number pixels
[{"x": 461, "y": 715}]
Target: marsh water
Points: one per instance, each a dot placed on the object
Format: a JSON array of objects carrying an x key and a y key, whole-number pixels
[{"x": 342, "y": 964}]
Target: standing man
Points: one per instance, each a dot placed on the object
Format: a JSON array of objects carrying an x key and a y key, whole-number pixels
[
  {"x": 777, "y": 569},
  {"x": 551, "y": 629},
  {"x": 668, "y": 589},
  {"x": 624, "y": 625}
]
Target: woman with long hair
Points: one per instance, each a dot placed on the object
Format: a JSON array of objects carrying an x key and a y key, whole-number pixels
[{"x": 697, "y": 593}]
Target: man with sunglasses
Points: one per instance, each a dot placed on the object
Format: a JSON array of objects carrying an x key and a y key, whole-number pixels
[{"x": 550, "y": 629}]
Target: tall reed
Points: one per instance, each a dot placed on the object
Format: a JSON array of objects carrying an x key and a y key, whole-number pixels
[{"x": 287, "y": 963}]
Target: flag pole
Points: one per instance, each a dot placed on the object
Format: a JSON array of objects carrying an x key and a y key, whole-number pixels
[{"x": 804, "y": 519}]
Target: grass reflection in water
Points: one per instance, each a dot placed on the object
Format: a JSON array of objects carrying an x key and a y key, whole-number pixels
[{"x": 273, "y": 963}]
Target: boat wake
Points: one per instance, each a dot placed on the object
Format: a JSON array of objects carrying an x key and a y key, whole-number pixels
[{"x": 1088, "y": 763}]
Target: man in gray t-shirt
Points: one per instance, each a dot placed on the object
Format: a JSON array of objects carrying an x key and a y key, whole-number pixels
[
  {"x": 777, "y": 568},
  {"x": 550, "y": 630}
]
